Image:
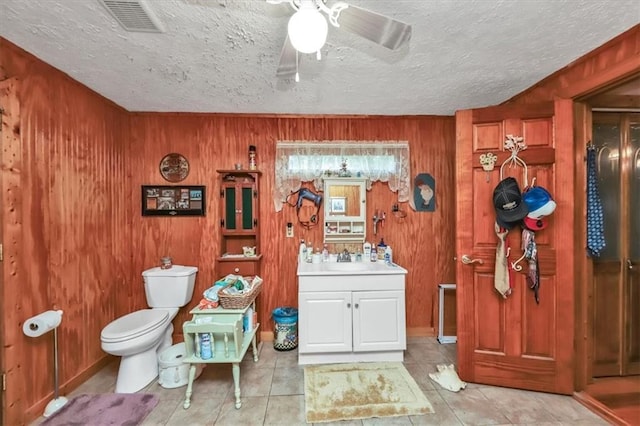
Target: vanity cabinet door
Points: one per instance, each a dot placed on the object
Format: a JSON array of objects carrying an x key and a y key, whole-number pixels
[
  {"x": 325, "y": 322},
  {"x": 379, "y": 321}
]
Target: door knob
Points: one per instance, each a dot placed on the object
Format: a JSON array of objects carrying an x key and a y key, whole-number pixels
[
  {"x": 629, "y": 265},
  {"x": 467, "y": 260}
]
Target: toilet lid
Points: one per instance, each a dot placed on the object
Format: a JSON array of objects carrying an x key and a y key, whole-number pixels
[{"x": 134, "y": 324}]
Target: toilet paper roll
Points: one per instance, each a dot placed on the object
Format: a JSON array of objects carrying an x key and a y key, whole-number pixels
[{"x": 42, "y": 323}]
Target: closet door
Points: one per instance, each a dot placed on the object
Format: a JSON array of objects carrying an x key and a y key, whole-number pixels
[
  {"x": 616, "y": 349},
  {"x": 631, "y": 362}
]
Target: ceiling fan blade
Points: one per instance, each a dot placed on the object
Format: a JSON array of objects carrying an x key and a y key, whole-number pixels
[
  {"x": 287, "y": 65},
  {"x": 378, "y": 28}
]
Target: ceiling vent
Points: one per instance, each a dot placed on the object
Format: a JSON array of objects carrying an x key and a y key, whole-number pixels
[{"x": 134, "y": 15}]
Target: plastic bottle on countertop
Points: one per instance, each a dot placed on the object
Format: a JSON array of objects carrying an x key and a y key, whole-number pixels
[
  {"x": 309, "y": 252},
  {"x": 302, "y": 252},
  {"x": 388, "y": 256},
  {"x": 366, "y": 249},
  {"x": 374, "y": 254},
  {"x": 382, "y": 247},
  {"x": 325, "y": 253}
]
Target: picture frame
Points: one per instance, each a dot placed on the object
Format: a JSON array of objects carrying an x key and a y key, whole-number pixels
[
  {"x": 338, "y": 205},
  {"x": 167, "y": 200}
]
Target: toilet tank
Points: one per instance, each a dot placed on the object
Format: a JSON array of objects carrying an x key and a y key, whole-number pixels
[{"x": 169, "y": 288}]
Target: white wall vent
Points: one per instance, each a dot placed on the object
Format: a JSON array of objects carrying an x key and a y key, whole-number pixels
[{"x": 134, "y": 15}]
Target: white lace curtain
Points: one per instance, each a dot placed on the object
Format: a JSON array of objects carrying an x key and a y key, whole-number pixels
[{"x": 310, "y": 161}]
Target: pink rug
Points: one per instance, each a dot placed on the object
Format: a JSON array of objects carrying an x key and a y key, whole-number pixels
[{"x": 104, "y": 409}]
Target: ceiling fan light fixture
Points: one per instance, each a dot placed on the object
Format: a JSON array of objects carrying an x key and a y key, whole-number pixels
[{"x": 308, "y": 29}]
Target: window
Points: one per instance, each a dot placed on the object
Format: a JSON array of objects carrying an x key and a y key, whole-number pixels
[{"x": 310, "y": 161}]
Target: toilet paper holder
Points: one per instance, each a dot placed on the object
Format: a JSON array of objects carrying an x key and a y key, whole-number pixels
[{"x": 37, "y": 326}]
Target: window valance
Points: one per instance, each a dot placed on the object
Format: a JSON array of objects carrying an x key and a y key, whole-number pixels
[{"x": 310, "y": 161}]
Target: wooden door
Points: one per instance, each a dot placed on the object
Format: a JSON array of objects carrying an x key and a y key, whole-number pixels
[{"x": 515, "y": 342}]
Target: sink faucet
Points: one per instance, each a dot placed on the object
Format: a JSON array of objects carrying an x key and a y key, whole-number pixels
[{"x": 344, "y": 256}]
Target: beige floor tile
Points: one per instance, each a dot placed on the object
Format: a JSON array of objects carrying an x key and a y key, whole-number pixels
[
  {"x": 442, "y": 415},
  {"x": 163, "y": 412},
  {"x": 285, "y": 410},
  {"x": 251, "y": 413},
  {"x": 204, "y": 412},
  {"x": 471, "y": 407},
  {"x": 273, "y": 394},
  {"x": 520, "y": 407},
  {"x": 288, "y": 381},
  {"x": 566, "y": 409}
]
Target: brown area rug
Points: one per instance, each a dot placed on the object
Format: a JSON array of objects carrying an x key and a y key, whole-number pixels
[
  {"x": 104, "y": 409},
  {"x": 361, "y": 390}
]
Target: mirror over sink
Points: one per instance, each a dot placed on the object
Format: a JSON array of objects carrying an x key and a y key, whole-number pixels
[{"x": 345, "y": 210}]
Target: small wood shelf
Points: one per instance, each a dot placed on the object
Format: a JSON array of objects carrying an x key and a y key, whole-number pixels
[{"x": 229, "y": 343}]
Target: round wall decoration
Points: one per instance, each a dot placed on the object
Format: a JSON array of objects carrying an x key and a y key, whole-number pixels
[{"x": 174, "y": 167}]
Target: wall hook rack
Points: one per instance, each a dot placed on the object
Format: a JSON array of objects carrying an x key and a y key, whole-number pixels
[{"x": 515, "y": 144}]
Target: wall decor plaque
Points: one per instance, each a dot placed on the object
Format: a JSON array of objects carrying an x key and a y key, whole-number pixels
[
  {"x": 174, "y": 167},
  {"x": 162, "y": 200}
]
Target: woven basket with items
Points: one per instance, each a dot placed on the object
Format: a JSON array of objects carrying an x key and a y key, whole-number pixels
[{"x": 239, "y": 292}]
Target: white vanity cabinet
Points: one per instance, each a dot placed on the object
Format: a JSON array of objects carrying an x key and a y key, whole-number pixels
[{"x": 351, "y": 316}]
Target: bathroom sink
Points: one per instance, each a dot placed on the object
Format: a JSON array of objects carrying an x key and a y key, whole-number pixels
[{"x": 348, "y": 266}]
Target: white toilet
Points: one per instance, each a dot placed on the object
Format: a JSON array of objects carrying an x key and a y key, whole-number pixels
[{"x": 138, "y": 337}]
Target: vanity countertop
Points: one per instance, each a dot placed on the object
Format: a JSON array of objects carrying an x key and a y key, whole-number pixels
[{"x": 349, "y": 268}]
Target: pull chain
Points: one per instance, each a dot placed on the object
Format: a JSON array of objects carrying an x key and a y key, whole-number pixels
[{"x": 297, "y": 75}]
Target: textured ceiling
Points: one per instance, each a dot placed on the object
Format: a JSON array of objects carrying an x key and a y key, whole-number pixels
[{"x": 222, "y": 55}]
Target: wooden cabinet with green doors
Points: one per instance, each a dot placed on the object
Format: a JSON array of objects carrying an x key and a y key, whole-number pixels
[{"x": 239, "y": 226}]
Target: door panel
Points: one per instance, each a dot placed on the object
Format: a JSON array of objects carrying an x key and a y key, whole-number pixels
[
  {"x": 325, "y": 322},
  {"x": 379, "y": 320},
  {"x": 515, "y": 342}
]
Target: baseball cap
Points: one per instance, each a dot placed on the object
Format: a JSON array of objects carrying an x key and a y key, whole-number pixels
[
  {"x": 508, "y": 203},
  {"x": 534, "y": 224},
  {"x": 539, "y": 202}
]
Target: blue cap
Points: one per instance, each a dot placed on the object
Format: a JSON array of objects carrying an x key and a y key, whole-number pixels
[{"x": 536, "y": 197}]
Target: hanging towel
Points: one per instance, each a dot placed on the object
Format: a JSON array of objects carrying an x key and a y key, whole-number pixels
[
  {"x": 501, "y": 272},
  {"x": 595, "y": 217}
]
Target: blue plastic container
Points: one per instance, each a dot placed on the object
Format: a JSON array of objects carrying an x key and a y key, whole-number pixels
[{"x": 286, "y": 329}]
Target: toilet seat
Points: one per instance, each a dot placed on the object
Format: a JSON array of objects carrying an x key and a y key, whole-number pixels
[{"x": 134, "y": 324}]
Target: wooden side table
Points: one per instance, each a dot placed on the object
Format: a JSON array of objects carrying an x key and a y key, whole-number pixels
[{"x": 228, "y": 342}]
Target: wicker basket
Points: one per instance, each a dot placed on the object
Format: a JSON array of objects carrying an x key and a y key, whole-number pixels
[{"x": 238, "y": 301}]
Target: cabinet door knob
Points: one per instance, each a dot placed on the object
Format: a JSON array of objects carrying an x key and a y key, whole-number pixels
[
  {"x": 236, "y": 270},
  {"x": 356, "y": 306},
  {"x": 348, "y": 305}
]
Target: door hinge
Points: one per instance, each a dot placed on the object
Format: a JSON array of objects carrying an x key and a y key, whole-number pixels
[
  {"x": 4, "y": 382},
  {"x": 1, "y": 253}
]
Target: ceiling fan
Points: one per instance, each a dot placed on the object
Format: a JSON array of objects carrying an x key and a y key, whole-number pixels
[{"x": 308, "y": 28}]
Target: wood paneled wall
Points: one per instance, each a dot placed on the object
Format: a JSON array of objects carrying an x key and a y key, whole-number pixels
[
  {"x": 75, "y": 163},
  {"x": 422, "y": 242},
  {"x": 65, "y": 226}
]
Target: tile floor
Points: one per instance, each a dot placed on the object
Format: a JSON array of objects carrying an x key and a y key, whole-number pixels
[{"x": 272, "y": 394}]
